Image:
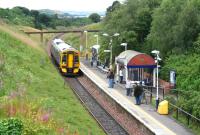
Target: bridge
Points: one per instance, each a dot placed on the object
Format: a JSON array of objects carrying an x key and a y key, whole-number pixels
[{"x": 62, "y": 31}]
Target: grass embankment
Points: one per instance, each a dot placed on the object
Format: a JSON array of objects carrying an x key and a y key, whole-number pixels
[{"x": 33, "y": 91}]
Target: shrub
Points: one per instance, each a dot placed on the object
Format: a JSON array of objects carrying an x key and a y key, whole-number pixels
[{"x": 12, "y": 126}]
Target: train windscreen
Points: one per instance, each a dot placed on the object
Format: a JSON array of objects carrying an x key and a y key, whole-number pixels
[{"x": 64, "y": 59}]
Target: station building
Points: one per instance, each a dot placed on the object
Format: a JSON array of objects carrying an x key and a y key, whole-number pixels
[{"x": 136, "y": 66}]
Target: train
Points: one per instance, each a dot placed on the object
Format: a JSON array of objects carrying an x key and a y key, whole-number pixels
[{"x": 66, "y": 57}]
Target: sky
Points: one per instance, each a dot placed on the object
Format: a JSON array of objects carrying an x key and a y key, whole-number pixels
[{"x": 62, "y": 5}]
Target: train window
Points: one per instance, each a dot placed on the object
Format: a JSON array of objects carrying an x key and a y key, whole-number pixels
[
  {"x": 64, "y": 59},
  {"x": 58, "y": 42},
  {"x": 76, "y": 59}
]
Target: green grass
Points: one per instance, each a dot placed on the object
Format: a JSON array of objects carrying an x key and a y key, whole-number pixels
[
  {"x": 94, "y": 26},
  {"x": 21, "y": 65}
]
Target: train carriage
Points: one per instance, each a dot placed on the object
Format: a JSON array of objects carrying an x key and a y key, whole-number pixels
[{"x": 66, "y": 57}]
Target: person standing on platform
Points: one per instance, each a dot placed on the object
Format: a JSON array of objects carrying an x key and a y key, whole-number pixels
[
  {"x": 108, "y": 77},
  {"x": 141, "y": 92},
  {"x": 121, "y": 75},
  {"x": 138, "y": 93},
  {"x": 111, "y": 79},
  {"x": 108, "y": 73},
  {"x": 91, "y": 63},
  {"x": 128, "y": 87}
]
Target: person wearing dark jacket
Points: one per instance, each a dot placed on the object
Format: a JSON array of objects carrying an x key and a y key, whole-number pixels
[
  {"x": 137, "y": 93},
  {"x": 110, "y": 79}
]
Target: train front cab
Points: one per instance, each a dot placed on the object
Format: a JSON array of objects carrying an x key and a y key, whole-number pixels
[{"x": 70, "y": 62}]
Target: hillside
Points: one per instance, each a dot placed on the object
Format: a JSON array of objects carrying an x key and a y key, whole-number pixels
[
  {"x": 40, "y": 19},
  {"x": 33, "y": 92}
]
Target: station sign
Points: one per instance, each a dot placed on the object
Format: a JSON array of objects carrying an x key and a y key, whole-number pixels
[{"x": 172, "y": 77}]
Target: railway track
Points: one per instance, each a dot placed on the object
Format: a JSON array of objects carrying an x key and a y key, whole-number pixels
[
  {"x": 105, "y": 120},
  {"x": 110, "y": 126}
]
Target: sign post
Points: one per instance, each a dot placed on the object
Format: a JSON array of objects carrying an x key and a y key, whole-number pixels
[{"x": 173, "y": 78}]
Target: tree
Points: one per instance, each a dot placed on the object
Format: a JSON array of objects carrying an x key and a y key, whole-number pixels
[
  {"x": 175, "y": 26},
  {"x": 24, "y": 10},
  {"x": 115, "y": 5},
  {"x": 95, "y": 17},
  {"x": 45, "y": 19},
  {"x": 132, "y": 20}
]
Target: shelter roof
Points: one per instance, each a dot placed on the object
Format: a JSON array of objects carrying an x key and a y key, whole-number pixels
[{"x": 135, "y": 59}]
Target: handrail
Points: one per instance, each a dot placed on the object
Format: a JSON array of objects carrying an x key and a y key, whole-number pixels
[
  {"x": 184, "y": 111},
  {"x": 192, "y": 116}
]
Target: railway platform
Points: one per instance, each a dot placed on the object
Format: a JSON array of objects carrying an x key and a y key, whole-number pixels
[{"x": 146, "y": 114}]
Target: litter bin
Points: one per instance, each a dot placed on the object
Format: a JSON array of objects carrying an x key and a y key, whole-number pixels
[{"x": 163, "y": 107}]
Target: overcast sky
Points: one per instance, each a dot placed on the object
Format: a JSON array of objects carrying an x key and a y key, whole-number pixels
[{"x": 63, "y": 5}]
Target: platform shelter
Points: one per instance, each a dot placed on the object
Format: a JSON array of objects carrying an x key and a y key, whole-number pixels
[{"x": 133, "y": 64}]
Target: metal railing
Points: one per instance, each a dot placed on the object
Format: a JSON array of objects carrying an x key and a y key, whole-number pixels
[
  {"x": 151, "y": 91},
  {"x": 179, "y": 113},
  {"x": 187, "y": 115}
]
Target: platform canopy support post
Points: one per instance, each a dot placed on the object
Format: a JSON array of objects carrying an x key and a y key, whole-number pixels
[{"x": 154, "y": 77}]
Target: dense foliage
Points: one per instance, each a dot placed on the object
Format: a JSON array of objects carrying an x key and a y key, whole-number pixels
[
  {"x": 33, "y": 18},
  {"x": 170, "y": 26},
  {"x": 175, "y": 26},
  {"x": 11, "y": 126},
  {"x": 132, "y": 20}
]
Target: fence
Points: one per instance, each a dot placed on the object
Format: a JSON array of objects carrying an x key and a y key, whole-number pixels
[
  {"x": 180, "y": 114},
  {"x": 151, "y": 92},
  {"x": 188, "y": 117}
]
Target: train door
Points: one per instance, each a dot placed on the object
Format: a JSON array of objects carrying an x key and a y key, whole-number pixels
[{"x": 70, "y": 60}]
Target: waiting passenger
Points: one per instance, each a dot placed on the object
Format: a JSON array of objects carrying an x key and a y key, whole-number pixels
[
  {"x": 128, "y": 87},
  {"x": 138, "y": 93},
  {"x": 91, "y": 63},
  {"x": 121, "y": 75},
  {"x": 110, "y": 79}
]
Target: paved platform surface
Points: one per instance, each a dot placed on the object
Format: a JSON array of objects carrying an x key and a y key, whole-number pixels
[{"x": 160, "y": 124}]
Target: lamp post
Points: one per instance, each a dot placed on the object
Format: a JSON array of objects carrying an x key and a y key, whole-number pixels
[
  {"x": 157, "y": 59},
  {"x": 126, "y": 71},
  {"x": 97, "y": 36},
  {"x": 107, "y": 35},
  {"x": 86, "y": 44},
  {"x": 97, "y": 44}
]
